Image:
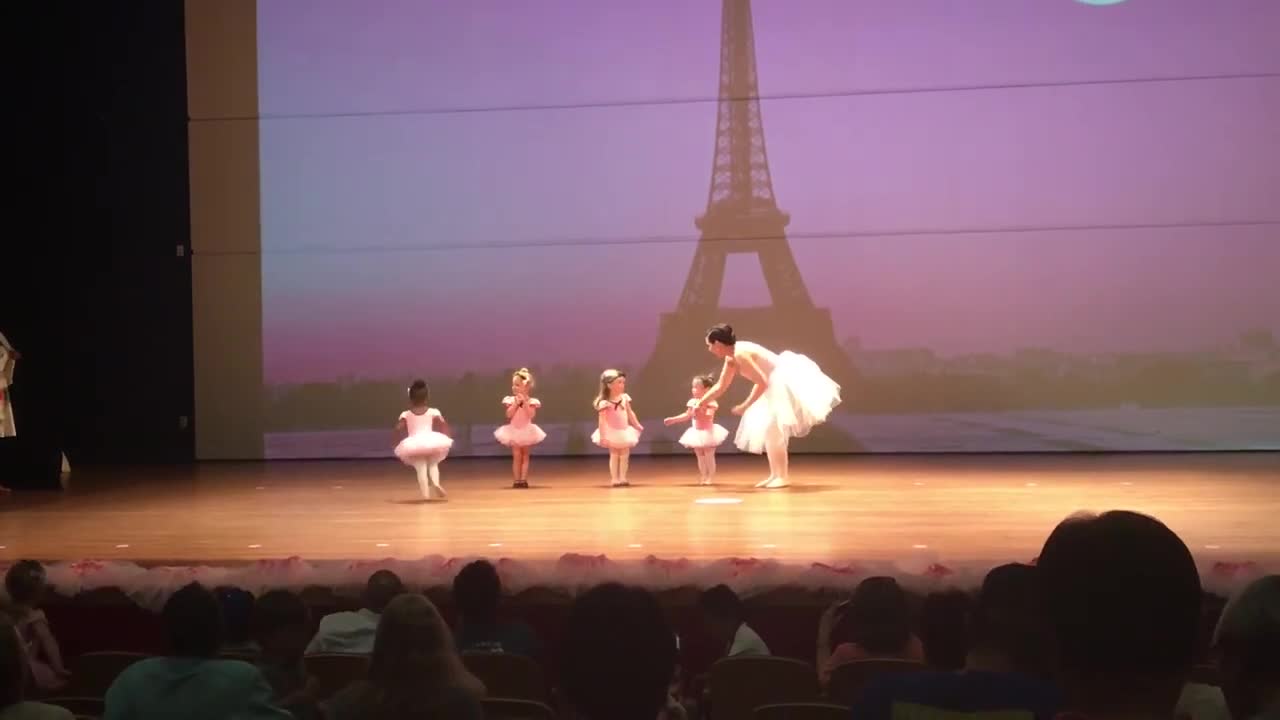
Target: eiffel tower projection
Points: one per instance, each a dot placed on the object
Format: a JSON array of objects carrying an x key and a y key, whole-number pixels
[{"x": 742, "y": 216}]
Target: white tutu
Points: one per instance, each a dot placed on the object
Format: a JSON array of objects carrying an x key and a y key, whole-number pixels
[
  {"x": 525, "y": 436},
  {"x": 696, "y": 439},
  {"x": 798, "y": 397},
  {"x": 617, "y": 438},
  {"x": 424, "y": 446}
]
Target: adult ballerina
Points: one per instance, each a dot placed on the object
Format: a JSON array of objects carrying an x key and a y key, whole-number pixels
[{"x": 790, "y": 396}]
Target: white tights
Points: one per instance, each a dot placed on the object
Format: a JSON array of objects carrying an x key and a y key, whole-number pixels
[
  {"x": 428, "y": 478},
  {"x": 619, "y": 460},
  {"x": 706, "y": 464}
]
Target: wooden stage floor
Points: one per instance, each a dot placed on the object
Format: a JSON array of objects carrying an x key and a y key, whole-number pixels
[{"x": 987, "y": 509}]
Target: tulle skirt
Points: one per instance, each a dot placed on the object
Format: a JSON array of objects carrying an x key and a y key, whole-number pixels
[
  {"x": 525, "y": 436},
  {"x": 696, "y": 439},
  {"x": 617, "y": 438},
  {"x": 424, "y": 446},
  {"x": 799, "y": 396}
]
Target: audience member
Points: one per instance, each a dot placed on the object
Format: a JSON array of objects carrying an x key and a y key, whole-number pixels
[
  {"x": 191, "y": 682},
  {"x": 945, "y": 629},
  {"x": 25, "y": 584},
  {"x": 415, "y": 671},
  {"x": 1004, "y": 672},
  {"x": 722, "y": 614},
  {"x": 875, "y": 624},
  {"x": 281, "y": 626},
  {"x": 618, "y": 656},
  {"x": 1247, "y": 643},
  {"x": 1122, "y": 600},
  {"x": 353, "y": 632},
  {"x": 476, "y": 593},
  {"x": 237, "y": 614},
  {"x": 14, "y": 672}
]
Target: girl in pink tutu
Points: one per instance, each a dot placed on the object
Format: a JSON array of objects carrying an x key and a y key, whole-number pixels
[
  {"x": 424, "y": 447},
  {"x": 704, "y": 435},
  {"x": 618, "y": 430},
  {"x": 520, "y": 434}
]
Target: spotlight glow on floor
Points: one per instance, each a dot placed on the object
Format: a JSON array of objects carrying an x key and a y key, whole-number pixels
[
  {"x": 920, "y": 547},
  {"x": 495, "y": 544},
  {"x": 718, "y": 501},
  {"x": 381, "y": 545},
  {"x": 254, "y": 546}
]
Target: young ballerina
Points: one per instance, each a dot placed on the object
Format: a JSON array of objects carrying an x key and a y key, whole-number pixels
[
  {"x": 704, "y": 435},
  {"x": 618, "y": 429},
  {"x": 520, "y": 434},
  {"x": 790, "y": 396},
  {"x": 424, "y": 447}
]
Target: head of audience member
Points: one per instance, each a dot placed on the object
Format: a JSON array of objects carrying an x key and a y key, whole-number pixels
[
  {"x": 1247, "y": 644},
  {"x": 944, "y": 629},
  {"x": 1121, "y": 597},
  {"x": 281, "y": 625},
  {"x": 618, "y": 655},
  {"x": 26, "y": 583},
  {"x": 13, "y": 665},
  {"x": 193, "y": 622},
  {"x": 1008, "y": 624},
  {"x": 237, "y": 614},
  {"x": 722, "y": 612},
  {"x": 876, "y": 619},
  {"x": 476, "y": 593},
  {"x": 414, "y": 663},
  {"x": 382, "y": 587}
]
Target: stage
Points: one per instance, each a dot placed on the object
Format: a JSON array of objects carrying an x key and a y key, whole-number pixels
[{"x": 924, "y": 518}]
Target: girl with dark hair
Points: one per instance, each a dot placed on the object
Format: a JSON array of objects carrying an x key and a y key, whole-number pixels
[{"x": 424, "y": 447}]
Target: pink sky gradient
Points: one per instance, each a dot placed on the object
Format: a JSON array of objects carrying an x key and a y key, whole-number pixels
[{"x": 384, "y": 235}]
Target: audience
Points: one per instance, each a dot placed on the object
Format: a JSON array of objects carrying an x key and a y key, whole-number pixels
[
  {"x": 415, "y": 671},
  {"x": 191, "y": 682},
  {"x": 476, "y": 593},
  {"x": 281, "y": 626},
  {"x": 618, "y": 656},
  {"x": 1247, "y": 643},
  {"x": 25, "y": 585},
  {"x": 1122, "y": 601},
  {"x": 875, "y": 624},
  {"x": 14, "y": 673},
  {"x": 1103, "y": 627},
  {"x": 1004, "y": 672},
  {"x": 352, "y": 633},
  {"x": 722, "y": 614}
]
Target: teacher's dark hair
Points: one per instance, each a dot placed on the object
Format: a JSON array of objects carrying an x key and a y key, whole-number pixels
[{"x": 723, "y": 334}]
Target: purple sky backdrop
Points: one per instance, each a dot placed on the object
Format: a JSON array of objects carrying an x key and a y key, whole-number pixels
[{"x": 375, "y": 226}]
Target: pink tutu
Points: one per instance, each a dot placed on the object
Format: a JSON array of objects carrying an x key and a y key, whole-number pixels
[
  {"x": 429, "y": 445},
  {"x": 696, "y": 439},
  {"x": 524, "y": 436},
  {"x": 617, "y": 438}
]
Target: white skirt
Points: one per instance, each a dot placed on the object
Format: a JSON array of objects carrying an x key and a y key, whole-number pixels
[{"x": 798, "y": 397}]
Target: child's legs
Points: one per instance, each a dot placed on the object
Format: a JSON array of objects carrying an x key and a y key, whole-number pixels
[
  {"x": 614, "y": 463},
  {"x": 709, "y": 457},
  {"x": 433, "y": 472},
  {"x": 624, "y": 460},
  {"x": 424, "y": 482},
  {"x": 524, "y": 462},
  {"x": 515, "y": 463},
  {"x": 701, "y": 455}
]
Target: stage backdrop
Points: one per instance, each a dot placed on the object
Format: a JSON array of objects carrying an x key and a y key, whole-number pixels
[{"x": 999, "y": 225}]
